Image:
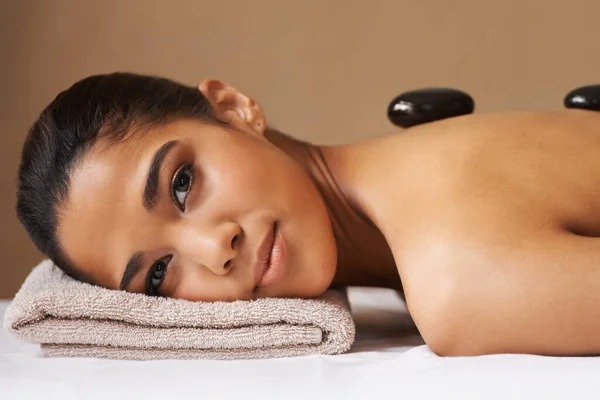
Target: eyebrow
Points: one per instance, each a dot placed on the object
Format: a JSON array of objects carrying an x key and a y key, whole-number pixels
[
  {"x": 151, "y": 188},
  {"x": 133, "y": 267}
]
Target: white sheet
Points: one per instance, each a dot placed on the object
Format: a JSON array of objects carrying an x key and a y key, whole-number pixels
[{"x": 388, "y": 360}]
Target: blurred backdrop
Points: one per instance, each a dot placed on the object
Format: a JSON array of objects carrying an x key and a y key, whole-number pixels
[{"x": 323, "y": 70}]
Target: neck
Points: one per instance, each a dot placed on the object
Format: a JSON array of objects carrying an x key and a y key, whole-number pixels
[{"x": 364, "y": 257}]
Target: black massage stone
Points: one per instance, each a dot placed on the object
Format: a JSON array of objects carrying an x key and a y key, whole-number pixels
[
  {"x": 427, "y": 105},
  {"x": 585, "y": 98}
]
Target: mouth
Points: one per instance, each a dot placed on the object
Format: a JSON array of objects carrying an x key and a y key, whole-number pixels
[{"x": 268, "y": 268}]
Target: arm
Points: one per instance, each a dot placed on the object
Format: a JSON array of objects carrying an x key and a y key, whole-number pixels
[{"x": 540, "y": 296}]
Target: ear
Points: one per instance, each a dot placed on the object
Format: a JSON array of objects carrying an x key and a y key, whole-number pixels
[{"x": 234, "y": 107}]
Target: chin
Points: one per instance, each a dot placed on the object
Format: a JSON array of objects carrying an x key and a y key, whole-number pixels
[
  {"x": 305, "y": 288},
  {"x": 318, "y": 291},
  {"x": 316, "y": 287}
]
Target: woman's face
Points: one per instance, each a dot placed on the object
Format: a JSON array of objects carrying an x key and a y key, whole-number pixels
[{"x": 220, "y": 193}]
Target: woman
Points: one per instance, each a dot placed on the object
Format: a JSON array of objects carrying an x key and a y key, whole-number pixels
[{"x": 489, "y": 223}]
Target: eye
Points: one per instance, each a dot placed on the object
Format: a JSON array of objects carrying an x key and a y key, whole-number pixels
[
  {"x": 180, "y": 187},
  {"x": 156, "y": 275}
]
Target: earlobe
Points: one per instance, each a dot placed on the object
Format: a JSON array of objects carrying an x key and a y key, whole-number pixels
[{"x": 256, "y": 118}]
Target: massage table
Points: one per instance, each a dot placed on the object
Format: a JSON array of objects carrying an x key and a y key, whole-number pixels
[{"x": 388, "y": 360}]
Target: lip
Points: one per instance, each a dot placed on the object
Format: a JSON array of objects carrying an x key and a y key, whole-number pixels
[
  {"x": 263, "y": 255},
  {"x": 268, "y": 268}
]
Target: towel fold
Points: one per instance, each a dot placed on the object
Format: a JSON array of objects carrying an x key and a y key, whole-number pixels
[{"x": 74, "y": 319}]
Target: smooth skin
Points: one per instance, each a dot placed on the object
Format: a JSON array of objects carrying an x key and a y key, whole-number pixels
[{"x": 489, "y": 223}]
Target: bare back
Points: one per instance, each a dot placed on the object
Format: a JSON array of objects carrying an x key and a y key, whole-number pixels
[
  {"x": 494, "y": 214},
  {"x": 515, "y": 171}
]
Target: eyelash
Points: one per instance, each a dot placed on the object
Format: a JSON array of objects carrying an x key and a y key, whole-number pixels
[
  {"x": 176, "y": 180},
  {"x": 151, "y": 287}
]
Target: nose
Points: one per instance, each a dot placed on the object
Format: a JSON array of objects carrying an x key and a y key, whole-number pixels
[{"x": 213, "y": 247}]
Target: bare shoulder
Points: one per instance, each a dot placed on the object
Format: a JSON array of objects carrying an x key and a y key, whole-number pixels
[{"x": 484, "y": 176}]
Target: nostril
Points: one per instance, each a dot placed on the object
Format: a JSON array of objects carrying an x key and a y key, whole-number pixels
[
  {"x": 234, "y": 240},
  {"x": 227, "y": 264}
]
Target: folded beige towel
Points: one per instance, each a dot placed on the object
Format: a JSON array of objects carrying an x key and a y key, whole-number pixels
[{"x": 74, "y": 319}]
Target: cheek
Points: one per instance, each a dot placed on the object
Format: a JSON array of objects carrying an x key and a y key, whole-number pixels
[
  {"x": 313, "y": 248},
  {"x": 310, "y": 243},
  {"x": 240, "y": 180},
  {"x": 318, "y": 261}
]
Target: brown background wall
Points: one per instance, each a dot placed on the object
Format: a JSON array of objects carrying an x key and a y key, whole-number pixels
[{"x": 323, "y": 70}]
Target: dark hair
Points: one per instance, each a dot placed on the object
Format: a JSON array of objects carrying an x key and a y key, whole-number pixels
[{"x": 108, "y": 106}]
